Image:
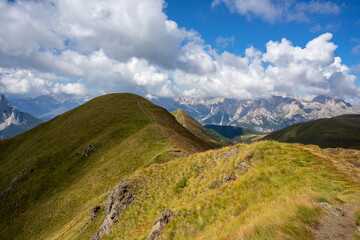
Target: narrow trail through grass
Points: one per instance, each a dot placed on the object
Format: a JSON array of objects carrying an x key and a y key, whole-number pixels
[{"x": 337, "y": 226}]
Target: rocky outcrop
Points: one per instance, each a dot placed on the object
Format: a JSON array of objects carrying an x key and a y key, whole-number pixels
[
  {"x": 120, "y": 197},
  {"x": 330, "y": 208},
  {"x": 243, "y": 166},
  {"x": 160, "y": 224},
  {"x": 16, "y": 179},
  {"x": 86, "y": 151},
  {"x": 226, "y": 178},
  {"x": 94, "y": 212},
  {"x": 224, "y": 156}
]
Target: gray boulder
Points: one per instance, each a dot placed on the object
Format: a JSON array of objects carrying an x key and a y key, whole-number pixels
[
  {"x": 160, "y": 224},
  {"x": 120, "y": 197}
]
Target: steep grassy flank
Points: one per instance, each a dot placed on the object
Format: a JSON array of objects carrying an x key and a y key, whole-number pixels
[
  {"x": 229, "y": 131},
  {"x": 275, "y": 199},
  {"x": 45, "y": 180},
  {"x": 249, "y": 138},
  {"x": 342, "y": 131},
  {"x": 196, "y": 128},
  {"x": 218, "y": 137},
  {"x": 235, "y": 134}
]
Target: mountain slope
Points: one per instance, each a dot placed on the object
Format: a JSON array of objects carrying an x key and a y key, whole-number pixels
[
  {"x": 194, "y": 127},
  {"x": 230, "y": 132},
  {"x": 235, "y": 134},
  {"x": 12, "y": 121},
  {"x": 342, "y": 131},
  {"x": 51, "y": 174},
  {"x": 261, "y": 115},
  {"x": 266, "y": 190}
]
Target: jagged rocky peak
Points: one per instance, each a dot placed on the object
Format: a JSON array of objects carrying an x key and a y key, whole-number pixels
[
  {"x": 9, "y": 113},
  {"x": 4, "y": 103},
  {"x": 321, "y": 99},
  {"x": 261, "y": 115},
  {"x": 328, "y": 100},
  {"x": 12, "y": 121}
]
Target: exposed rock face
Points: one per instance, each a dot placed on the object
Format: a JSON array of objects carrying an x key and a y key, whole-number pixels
[
  {"x": 120, "y": 197},
  {"x": 12, "y": 121},
  {"x": 224, "y": 156},
  {"x": 16, "y": 179},
  {"x": 94, "y": 212},
  {"x": 226, "y": 178},
  {"x": 86, "y": 151},
  {"x": 330, "y": 208},
  {"x": 160, "y": 224},
  {"x": 243, "y": 166},
  {"x": 262, "y": 115}
]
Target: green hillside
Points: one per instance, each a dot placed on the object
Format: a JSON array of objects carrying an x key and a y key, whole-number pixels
[
  {"x": 342, "y": 131},
  {"x": 234, "y": 134},
  {"x": 197, "y": 129},
  {"x": 218, "y": 137},
  {"x": 133, "y": 163},
  {"x": 53, "y": 174},
  {"x": 266, "y": 190}
]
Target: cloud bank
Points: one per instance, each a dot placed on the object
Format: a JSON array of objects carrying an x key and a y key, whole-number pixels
[{"x": 75, "y": 47}]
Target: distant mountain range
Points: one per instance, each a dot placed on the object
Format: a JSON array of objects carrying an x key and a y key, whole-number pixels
[
  {"x": 45, "y": 107},
  {"x": 262, "y": 115},
  {"x": 12, "y": 121}
]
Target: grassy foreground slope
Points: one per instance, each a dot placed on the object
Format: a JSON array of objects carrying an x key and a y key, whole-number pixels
[
  {"x": 342, "y": 131},
  {"x": 196, "y": 128},
  {"x": 52, "y": 175},
  {"x": 274, "y": 195}
]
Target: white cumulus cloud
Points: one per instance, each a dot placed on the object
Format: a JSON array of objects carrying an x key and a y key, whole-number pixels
[
  {"x": 281, "y": 68},
  {"x": 34, "y": 83},
  {"x": 274, "y": 10}
]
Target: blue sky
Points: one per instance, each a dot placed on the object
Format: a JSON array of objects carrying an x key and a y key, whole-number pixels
[
  {"x": 219, "y": 21},
  {"x": 223, "y": 48}
]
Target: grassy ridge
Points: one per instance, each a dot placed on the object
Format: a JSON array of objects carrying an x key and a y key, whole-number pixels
[
  {"x": 58, "y": 186},
  {"x": 342, "y": 131},
  {"x": 196, "y": 128},
  {"x": 273, "y": 200}
]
